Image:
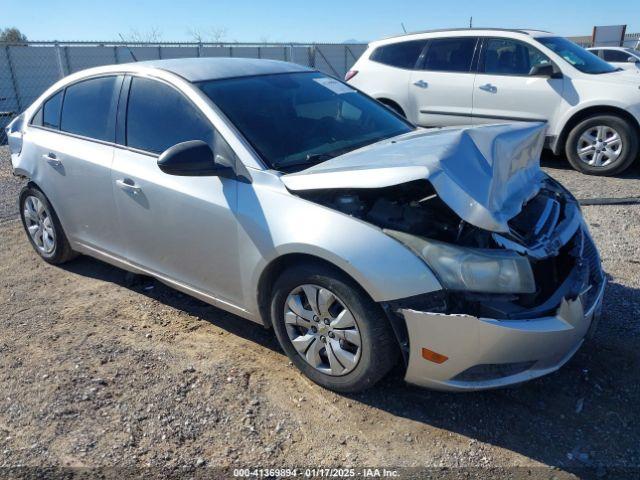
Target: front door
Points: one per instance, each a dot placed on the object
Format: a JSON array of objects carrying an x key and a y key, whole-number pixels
[
  {"x": 182, "y": 228},
  {"x": 504, "y": 90}
]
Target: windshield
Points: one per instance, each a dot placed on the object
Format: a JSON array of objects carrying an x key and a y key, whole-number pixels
[
  {"x": 577, "y": 56},
  {"x": 296, "y": 120}
]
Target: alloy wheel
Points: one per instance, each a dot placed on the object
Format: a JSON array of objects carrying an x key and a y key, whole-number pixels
[
  {"x": 322, "y": 330},
  {"x": 599, "y": 146},
  {"x": 39, "y": 224}
]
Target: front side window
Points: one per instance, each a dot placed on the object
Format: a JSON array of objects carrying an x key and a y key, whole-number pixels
[
  {"x": 402, "y": 55},
  {"x": 159, "y": 117},
  {"x": 616, "y": 56},
  {"x": 295, "y": 120},
  {"x": 450, "y": 54},
  {"x": 89, "y": 108},
  {"x": 577, "y": 56},
  {"x": 504, "y": 56}
]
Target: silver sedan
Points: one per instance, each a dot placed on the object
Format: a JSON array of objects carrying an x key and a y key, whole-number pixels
[{"x": 293, "y": 200}]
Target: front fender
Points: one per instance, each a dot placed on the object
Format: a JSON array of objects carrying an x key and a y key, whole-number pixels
[{"x": 273, "y": 223}]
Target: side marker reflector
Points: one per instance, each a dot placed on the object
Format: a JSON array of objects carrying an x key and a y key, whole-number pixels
[{"x": 433, "y": 356}]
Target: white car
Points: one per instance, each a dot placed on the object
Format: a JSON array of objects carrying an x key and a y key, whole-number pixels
[
  {"x": 473, "y": 76},
  {"x": 621, "y": 57}
]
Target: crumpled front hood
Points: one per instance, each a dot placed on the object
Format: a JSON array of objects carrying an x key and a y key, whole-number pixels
[{"x": 485, "y": 174}]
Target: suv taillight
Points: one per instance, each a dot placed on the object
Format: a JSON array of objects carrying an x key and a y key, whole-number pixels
[{"x": 350, "y": 74}]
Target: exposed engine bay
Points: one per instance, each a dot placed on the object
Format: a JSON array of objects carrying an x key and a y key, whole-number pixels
[
  {"x": 547, "y": 232},
  {"x": 412, "y": 207}
]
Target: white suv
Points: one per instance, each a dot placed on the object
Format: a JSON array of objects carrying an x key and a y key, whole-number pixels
[
  {"x": 621, "y": 57},
  {"x": 469, "y": 76}
]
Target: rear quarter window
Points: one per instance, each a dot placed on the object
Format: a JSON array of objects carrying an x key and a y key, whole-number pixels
[{"x": 401, "y": 55}]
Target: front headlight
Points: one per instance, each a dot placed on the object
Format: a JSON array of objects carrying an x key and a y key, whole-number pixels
[{"x": 472, "y": 269}]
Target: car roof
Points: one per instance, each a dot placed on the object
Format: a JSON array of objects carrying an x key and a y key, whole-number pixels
[
  {"x": 463, "y": 32},
  {"x": 199, "y": 69}
]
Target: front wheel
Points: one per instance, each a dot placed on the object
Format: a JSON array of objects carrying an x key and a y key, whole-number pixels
[
  {"x": 602, "y": 145},
  {"x": 330, "y": 329}
]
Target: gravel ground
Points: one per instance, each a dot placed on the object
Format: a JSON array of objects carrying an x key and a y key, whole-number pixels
[{"x": 99, "y": 370}]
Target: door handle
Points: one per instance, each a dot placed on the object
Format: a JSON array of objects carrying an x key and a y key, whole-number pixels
[
  {"x": 487, "y": 87},
  {"x": 421, "y": 84},
  {"x": 52, "y": 159},
  {"x": 128, "y": 186}
]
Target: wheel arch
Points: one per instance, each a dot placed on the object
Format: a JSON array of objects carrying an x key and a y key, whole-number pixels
[
  {"x": 587, "y": 112},
  {"x": 392, "y": 104},
  {"x": 278, "y": 265}
]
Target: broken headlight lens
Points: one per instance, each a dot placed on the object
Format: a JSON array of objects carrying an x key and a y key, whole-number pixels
[{"x": 472, "y": 269}]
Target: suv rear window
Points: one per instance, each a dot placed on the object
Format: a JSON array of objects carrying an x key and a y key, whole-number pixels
[
  {"x": 615, "y": 56},
  {"x": 450, "y": 54},
  {"x": 402, "y": 55},
  {"x": 89, "y": 108}
]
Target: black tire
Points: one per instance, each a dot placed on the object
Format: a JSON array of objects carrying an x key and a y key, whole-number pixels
[
  {"x": 629, "y": 152},
  {"x": 62, "y": 251},
  {"x": 379, "y": 349}
]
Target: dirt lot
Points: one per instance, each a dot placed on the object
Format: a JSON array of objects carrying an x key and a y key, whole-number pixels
[{"x": 95, "y": 371}]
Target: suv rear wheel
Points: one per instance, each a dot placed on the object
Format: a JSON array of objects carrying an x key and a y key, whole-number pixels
[{"x": 602, "y": 145}]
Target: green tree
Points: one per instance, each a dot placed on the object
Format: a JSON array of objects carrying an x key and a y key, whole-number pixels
[{"x": 12, "y": 35}]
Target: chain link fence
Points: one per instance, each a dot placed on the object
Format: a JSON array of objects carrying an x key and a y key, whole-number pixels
[{"x": 27, "y": 70}]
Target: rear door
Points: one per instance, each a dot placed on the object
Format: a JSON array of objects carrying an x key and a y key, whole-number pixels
[
  {"x": 181, "y": 228},
  {"x": 441, "y": 87},
  {"x": 504, "y": 90},
  {"x": 388, "y": 72},
  {"x": 74, "y": 145}
]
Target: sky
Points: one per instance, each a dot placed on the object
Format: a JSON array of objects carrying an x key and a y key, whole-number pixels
[{"x": 301, "y": 20}]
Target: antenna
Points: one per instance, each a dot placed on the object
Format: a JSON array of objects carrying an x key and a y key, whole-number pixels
[
  {"x": 470, "y": 22},
  {"x": 128, "y": 48},
  {"x": 402, "y": 24}
]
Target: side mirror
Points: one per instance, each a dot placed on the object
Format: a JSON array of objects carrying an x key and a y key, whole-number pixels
[
  {"x": 633, "y": 60},
  {"x": 192, "y": 159},
  {"x": 544, "y": 70}
]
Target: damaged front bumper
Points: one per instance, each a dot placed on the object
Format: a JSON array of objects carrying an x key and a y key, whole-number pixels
[
  {"x": 486, "y": 353},
  {"x": 464, "y": 351}
]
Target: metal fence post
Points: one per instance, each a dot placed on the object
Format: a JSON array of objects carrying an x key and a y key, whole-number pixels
[
  {"x": 61, "y": 70},
  {"x": 14, "y": 82}
]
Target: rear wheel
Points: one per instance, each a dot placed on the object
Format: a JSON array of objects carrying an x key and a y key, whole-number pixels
[
  {"x": 602, "y": 145},
  {"x": 43, "y": 227},
  {"x": 330, "y": 329}
]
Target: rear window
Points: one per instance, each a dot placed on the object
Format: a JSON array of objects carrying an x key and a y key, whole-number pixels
[
  {"x": 450, "y": 54},
  {"x": 402, "y": 55},
  {"x": 89, "y": 108}
]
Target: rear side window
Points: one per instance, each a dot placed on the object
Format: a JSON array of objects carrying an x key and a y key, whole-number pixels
[
  {"x": 89, "y": 108},
  {"x": 450, "y": 54},
  {"x": 504, "y": 56},
  {"x": 402, "y": 55},
  {"x": 615, "y": 56},
  {"x": 159, "y": 117}
]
